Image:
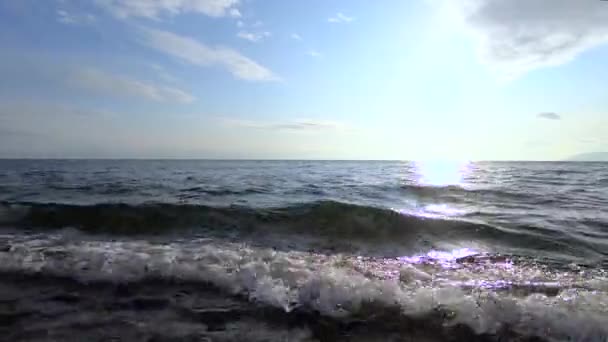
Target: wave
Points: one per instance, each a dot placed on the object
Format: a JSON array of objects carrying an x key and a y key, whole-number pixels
[
  {"x": 464, "y": 293},
  {"x": 327, "y": 218},
  {"x": 337, "y": 223},
  {"x": 172, "y": 318},
  {"x": 222, "y": 318},
  {"x": 322, "y": 217}
]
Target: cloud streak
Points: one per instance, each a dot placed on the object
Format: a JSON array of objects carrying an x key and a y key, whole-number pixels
[
  {"x": 154, "y": 9},
  {"x": 588, "y": 141},
  {"x": 301, "y": 125},
  {"x": 68, "y": 18},
  {"x": 121, "y": 86},
  {"x": 193, "y": 52},
  {"x": 314, "y": 53},
  {"x": 515, "y": 37},
  {"x": 19, "y": 134},
  {"x": 549, "y": 116},
  {"x": 253, "y": 37},
  {"x": 340, "y": 18}
]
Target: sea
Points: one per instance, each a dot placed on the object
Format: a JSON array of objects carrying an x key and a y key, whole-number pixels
[{"x": 221, "y": 250}]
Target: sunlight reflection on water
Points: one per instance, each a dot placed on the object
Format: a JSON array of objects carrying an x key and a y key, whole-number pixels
[
  {"x": 443, "y": 210},
  {"x": 438, "y": 174},
  {"x": 441, "y": 257}
]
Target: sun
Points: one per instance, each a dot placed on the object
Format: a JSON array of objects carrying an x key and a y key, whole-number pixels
[{"x": 441, "y": 173}]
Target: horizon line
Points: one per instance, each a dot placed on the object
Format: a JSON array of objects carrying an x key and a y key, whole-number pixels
[{"x": 305, "y": 159}]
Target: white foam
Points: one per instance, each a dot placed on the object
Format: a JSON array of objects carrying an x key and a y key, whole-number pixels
[{"x": 339, "y": 285}]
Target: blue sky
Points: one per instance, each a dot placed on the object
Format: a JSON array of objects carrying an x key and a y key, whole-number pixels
[{"x": 318, "y": 79}]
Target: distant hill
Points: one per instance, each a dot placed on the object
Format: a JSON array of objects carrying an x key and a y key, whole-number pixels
[{"x": 594, "y": 156}]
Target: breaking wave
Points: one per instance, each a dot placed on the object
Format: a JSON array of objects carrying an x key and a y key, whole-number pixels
[{"x": 488, "y": 295}]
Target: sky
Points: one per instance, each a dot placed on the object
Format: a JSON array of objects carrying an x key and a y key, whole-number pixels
[{"x": 315, "y": 79}]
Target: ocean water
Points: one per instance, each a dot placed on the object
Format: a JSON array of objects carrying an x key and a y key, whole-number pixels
[{"x": 303, "y": 251}]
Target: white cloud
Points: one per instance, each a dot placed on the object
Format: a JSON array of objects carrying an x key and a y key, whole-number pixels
[
  {"x": 292, "y": 125},
  {"x": 314, "y": 53},
  {"x": 241, "y": 24},
  {"x": 162, "y": 73},
  {"x": 235, "y": 13},
  {"x": 295, "y": 36},
  {"x": 253, "y": 36},
  {"x": 515, "y": 37},
  {"x": 340, "y": 18},
  {"x": 196, "y": 53},
  {"x": 118, "y": 85},
  {"x": 68, "y": 18},
  {"x": 153, "y": 9}
]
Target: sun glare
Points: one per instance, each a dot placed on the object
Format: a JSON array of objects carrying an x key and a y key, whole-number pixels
[{"x": 441, "y": 173}]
